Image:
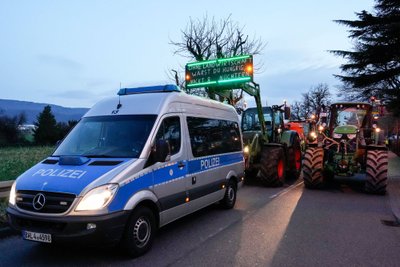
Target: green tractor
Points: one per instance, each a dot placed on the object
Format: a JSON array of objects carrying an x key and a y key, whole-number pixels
[
  {"x": 272, "y": 152},
  {"x": 348, "y": 144}
]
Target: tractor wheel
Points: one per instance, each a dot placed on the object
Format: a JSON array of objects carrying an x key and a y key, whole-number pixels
[
  {"x": 294, "y": 156},
  {"x": 272, "y": 166},
  {"x": 377, "y": 164},
  {"x": 313, "y": 168},
  {"x": 251, "y": 174}
]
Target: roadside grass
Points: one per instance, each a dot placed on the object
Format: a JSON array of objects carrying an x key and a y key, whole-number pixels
[
  {"x": 16, "y": 160},
  {"x": 13, "y": 162},
  {"x": 3, "y": 206}
]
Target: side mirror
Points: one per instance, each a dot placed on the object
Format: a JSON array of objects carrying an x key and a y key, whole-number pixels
[
  {"x": 58, "y": 143},
  {"x": 287, "y": 113},
  {"x": 161, "y": 151}
]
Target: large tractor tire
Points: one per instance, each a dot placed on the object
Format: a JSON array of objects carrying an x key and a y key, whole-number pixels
[
  {"x": 272, "y": 171},
  {"x": 294, "y": 156},
  {"x": 313, "y": 165},
  {"x": 376, "y": 172}
]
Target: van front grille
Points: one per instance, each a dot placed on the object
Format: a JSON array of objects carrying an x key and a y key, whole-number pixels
[{"x": 44, "y": 202}]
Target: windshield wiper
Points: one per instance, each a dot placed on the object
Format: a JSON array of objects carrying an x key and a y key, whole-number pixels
[{"x": 97, "y": 156}]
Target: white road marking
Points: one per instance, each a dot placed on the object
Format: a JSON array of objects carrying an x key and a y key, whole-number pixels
[{"x": 284, "y": 191}]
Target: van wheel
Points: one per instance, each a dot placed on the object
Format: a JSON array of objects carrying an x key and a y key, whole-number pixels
[
  {"x": 229, "y": 199},
  {"x": 140, "y": 231}
]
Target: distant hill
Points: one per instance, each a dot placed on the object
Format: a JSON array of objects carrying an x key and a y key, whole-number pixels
[{"x": 14, "y": 107}]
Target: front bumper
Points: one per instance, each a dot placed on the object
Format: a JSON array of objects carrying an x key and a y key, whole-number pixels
[{"x": 109, "y": 227}]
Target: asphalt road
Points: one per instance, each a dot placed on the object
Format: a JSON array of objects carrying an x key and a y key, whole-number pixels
[{"x": 288, "y": 226}]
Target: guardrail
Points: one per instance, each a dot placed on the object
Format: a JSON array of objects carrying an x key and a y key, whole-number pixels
[{"x": 5, "y": 188}]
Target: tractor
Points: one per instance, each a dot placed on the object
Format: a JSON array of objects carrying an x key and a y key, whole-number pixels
[
  {"x": 346, "y": 145},
  {"x": 272, "y": 153}
]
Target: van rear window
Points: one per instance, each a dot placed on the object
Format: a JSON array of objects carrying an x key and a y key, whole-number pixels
[{"x": 213, "y": 136}]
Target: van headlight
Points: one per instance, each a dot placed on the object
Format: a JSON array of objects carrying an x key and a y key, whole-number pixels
[
  {"x": 97, "y": 198},
  {"x": 13, "y": 195}
]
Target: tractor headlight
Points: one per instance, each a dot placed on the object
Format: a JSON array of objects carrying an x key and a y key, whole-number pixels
[
  {"x": 336, "y": 135},
  {"x": 313, "y": 135},
  {"x": 351, "y": 136},
  {"x": 97, "y": 198}
]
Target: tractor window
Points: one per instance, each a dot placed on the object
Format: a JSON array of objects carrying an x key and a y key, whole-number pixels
[
  {"x": 278, "y": 118},
  {"x": 350, "y": 116},
  {"x": 250, "y": 121}
]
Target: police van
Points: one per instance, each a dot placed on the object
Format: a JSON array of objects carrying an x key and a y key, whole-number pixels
[{"x": 134, "y": 163}]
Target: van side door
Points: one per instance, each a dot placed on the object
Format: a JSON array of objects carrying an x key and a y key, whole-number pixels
[
  {"x": 214, "y": 146},
  {"x": 169, "y": 176}
]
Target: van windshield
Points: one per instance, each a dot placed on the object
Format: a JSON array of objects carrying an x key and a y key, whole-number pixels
[{"x": 120, "y": 136}]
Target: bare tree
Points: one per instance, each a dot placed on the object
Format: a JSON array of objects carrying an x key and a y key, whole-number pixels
[
  {"x": 206, "y": 38},
  {"x": 296, "y": 112},
  {"x": 319, "y": 97},
  {"x": 312, "y": 102}
]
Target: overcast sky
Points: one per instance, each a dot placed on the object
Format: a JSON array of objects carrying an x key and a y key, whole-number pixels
[{"x": 74, "y": 53}]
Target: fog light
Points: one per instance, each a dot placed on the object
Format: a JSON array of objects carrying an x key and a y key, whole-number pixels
[{"x": 91, "y": 226}]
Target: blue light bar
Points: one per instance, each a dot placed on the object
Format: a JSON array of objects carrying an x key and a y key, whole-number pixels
[{"x": 149, "y": 89}]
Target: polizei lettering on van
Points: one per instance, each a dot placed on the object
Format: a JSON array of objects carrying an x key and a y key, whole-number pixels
[
  {"x": 209, "y": 163},
  {"x": 73, "y": 174}
]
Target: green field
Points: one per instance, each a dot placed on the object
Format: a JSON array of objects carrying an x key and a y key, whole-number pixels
[
  {"x": 15, "y": 160},
  {"x": 3, "y": 206}
]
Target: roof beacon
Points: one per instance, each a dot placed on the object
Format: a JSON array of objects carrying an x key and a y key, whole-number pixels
[{"x": 149, "y": 89}]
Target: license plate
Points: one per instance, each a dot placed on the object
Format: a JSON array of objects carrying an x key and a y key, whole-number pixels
[{"x": 39, "y": 237}]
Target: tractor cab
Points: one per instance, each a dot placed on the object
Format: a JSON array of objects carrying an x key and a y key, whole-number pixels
[
  {"x": 349, "y": 116},
  {"x": 350, "y": 120},
  {"x": 273, "y": 121}
]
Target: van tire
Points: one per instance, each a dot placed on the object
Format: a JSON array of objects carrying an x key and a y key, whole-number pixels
[
  {"x": 140, "y": 231},
  {"x": 229, "y": 200}
]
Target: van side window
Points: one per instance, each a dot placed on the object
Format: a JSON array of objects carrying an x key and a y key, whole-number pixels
[
  {"x": 212, "y": 136},
  {"x": 170, "y": 131}
]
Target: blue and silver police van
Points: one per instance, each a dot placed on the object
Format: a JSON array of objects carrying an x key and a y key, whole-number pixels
[{"x": 134, "y": 162}]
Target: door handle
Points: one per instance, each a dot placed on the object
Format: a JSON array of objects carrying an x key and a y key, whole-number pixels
[
  {"x": 181, "y": 164},
  {"x": 193, "y": 179}
]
